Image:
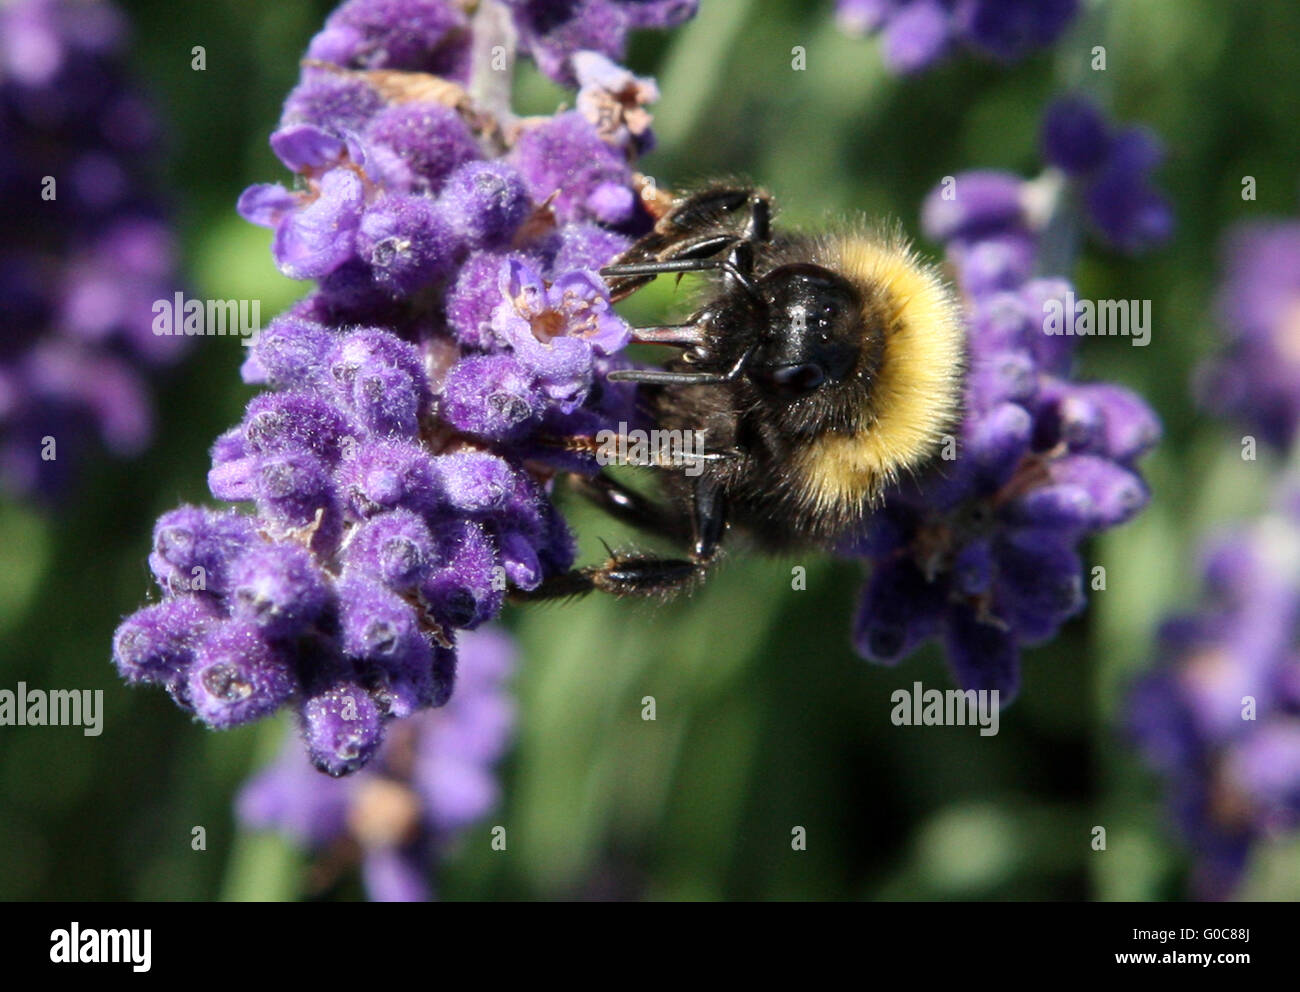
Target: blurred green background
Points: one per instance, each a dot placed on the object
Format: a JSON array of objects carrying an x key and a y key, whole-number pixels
[{"x": 767, "y": 720}]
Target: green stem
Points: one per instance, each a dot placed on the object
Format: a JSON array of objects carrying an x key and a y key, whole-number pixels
[{"x": 263, "y": 867}]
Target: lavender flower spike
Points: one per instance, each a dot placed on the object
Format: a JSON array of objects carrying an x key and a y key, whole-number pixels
[
  {"x": 1216, "y": 718},
  {"x": 916, "y": 34},
  {"x": 983, "y": 554},
  {"x": 81, "y": 269},
  {"x": 433, "y": 777},
  {"x": 1256, "y": 379},
  {"x": 396, "y": 467}
]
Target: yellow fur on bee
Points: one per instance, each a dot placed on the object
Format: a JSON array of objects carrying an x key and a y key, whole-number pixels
[{"x": 917, "y": 393}]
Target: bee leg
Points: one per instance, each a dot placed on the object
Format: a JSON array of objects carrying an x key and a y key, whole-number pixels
[
  {"x": 630, "y": 507},
  {"x": 759, "y": 227},
  {"x": 660, "y": 267},
  {"x": 675, "y": 335},
  {"x": 665, "y": 377},
  {"x": 661, "y": 249},
  {"x": 622, "y": 574},
  {"x": 703, "y": 209},
  {"x": 630, "y": 574}
]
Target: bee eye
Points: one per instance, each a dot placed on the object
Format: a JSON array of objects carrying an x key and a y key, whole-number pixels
[{"x": 791, "y": 380}]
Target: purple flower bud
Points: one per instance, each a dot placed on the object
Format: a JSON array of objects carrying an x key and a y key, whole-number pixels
[
  {"x": 406, "y": 242},
  {"x": 332, "y": 99},
  {"x": 342, "y": 728},
  {"x": 917, "y": 36},
  {"x": 382, "y": 475},
  {"x": 1115, "y": 494},
  {"x": 467, "y": 589},
  {"x": 1040, "y": 585},
  {"x": 1063, "y": 507},
  {"x": 1005, "y": 376},
  {"x": 976, "y": 204},
  {"x": 394, "y": 547},
  {"x": 288, "y": 353},
  {"x": 381, "y": 631},
  {"x": 278, "y": 588},
  {"x": 998, "y": 441},
  {"x": 478, "y": 484},
  {"x": 491, "y": 396},
  {"x": 900, "y": 609},
  {"x": 383, "y": 379},
  {"x": 998, "y": 262},
  {"x": 193, "y": 549},
  {"x": 233, "y": 473},
  {"x": 417, "y": 35},
  {"x": 1128, "y": 428},
  {"x": 237, "y": 676},
  {"x": 291, "y": 489},
  {"x": 484, "y": 203},
  {"x": 157, "y": 643},
  {"x": 416, "y": 146},
  {"x": 294, "y": 422},
  {"x": 565, "y": 158},
  {"x": 1076, "y": 136},
  {"x": 982, "y": 653}
]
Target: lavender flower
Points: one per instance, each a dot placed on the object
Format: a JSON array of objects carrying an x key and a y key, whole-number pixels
[
  {"x": 916, "y": 34},
  {"x": 1218, "y": 717},
  {"x": 1256, "y": 380},
  {"x": 983, "y": 555},
  {"x": 431, "y": 779},
  {"x": 1111, "y": 168},
  {"x": 555, "y": 31},
  {"x": 997, "y": 227},
  {"x": 398, "y": 461},
  {"x": 81, "y": 268}
]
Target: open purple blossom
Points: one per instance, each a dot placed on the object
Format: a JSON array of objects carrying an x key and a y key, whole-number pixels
[
  {"x": 1218, "y": 716},
  {"x": 395, "y": 469},
  {"x": 433, "y": 777},
  {"x": 916, "y": 34},
  {"x": 983, "y": 555},
  {"x": 1255, "y": 381},
  {"x": 85, "y": 261}
]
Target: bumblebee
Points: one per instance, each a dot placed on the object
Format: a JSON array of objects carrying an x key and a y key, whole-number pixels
[{"x": 819, "y": 369}]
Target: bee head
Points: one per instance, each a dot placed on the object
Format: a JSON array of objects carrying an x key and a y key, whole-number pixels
[{"x": 812, "y": 335}]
